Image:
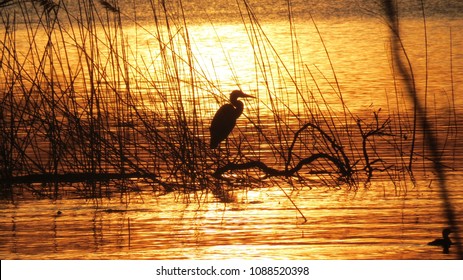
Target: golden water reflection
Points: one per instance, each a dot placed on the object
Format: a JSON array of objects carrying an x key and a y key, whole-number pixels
[
  {"x": 266, "y": 62},
  {"x": 262, "y": 224}
]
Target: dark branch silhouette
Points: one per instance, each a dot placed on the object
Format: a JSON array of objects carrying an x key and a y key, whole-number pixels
[{"x": 272, "y": 172}]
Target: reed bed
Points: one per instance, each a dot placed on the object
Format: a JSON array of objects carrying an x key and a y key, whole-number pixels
[{"x": 83, "y": 112}]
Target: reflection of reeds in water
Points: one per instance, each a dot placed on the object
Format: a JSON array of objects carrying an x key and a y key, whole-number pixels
[{"x": 77, "y": 107}]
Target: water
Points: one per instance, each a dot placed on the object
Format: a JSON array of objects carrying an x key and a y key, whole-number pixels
[
  {"x": 261, "y": 224},
  {"x": 385, "y": 220}
]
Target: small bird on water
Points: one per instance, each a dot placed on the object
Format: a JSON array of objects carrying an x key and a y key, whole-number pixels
[
  {"x": 444, "y": 242},
  {"x": 225, "y": 119}
]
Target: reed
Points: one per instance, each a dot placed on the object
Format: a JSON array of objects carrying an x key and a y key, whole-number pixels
[
  {"x": 421, "y": 114},
  {"x": 83, "y": 111}
]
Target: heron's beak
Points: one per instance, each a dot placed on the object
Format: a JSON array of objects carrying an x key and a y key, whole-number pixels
[{"x": 245, "y": 95}]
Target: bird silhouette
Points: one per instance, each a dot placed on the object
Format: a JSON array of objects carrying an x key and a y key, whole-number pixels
[
  {"x": 225, "y": 119},
  {"x": 444, "y": 242}
]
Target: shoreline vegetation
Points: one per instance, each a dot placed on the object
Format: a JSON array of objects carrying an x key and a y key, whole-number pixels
[{"x": 82, "y": 108}]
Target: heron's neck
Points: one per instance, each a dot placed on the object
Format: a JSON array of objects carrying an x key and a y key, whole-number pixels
[
  {"x": 234, "y": 100},
  {"x": 238, "y": 106}
]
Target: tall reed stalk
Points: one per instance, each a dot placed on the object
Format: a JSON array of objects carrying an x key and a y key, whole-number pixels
[{"x": 421, "y": 114}]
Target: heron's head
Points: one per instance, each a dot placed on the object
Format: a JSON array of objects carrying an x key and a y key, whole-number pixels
[{"x": 234, "y": 95}]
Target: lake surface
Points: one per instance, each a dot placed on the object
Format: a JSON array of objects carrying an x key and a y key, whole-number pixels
[
  {"x": 368, "y": 224},
  {"x": 300, "y": 71}
]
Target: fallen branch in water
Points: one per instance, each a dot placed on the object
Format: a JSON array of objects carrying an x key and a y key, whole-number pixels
[
  {"x": 343, "y": 165},
  {"x": 74, "y": 177},
  {"x": 272, "y": 172}
]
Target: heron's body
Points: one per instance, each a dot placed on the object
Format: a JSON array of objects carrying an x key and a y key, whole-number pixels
[{"x": 225, "y": 119}]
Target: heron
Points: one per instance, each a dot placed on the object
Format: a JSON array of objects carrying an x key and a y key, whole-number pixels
[
  {"x": 225, "y": 119},
  {"x": 444, "y": 242}
]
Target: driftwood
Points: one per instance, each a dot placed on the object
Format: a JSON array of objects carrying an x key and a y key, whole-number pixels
[
  {"x": 271, "y": 172},
  {"x": 73, "y": 177},
  {"x": 343, "y": 165}
]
